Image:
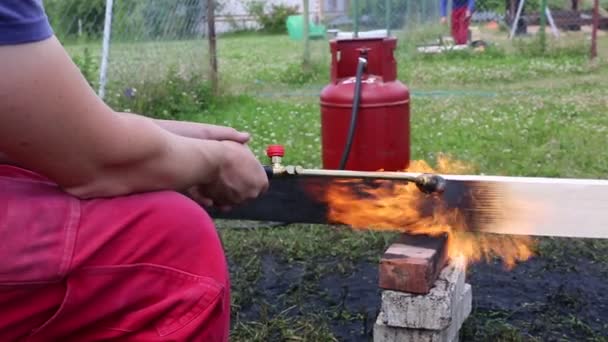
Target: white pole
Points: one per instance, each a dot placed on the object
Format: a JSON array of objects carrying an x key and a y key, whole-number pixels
[
  {"x": 521, "y": 6},
  {"x": 105, "y": 52},
  {"x": 551, "y": 22}
]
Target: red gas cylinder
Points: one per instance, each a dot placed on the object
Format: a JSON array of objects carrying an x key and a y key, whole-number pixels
[{"x": 382, "y": 136}]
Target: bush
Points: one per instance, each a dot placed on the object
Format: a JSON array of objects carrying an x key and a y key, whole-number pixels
[
  {"x": 88, "y": 66},
  {"x": 273, "y": 21},
  {"x": 296, "y": 74},
  {"x": 174, "y": 97}
]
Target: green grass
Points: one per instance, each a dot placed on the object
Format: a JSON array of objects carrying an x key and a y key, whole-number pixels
[{"x": 508, "y": 111}]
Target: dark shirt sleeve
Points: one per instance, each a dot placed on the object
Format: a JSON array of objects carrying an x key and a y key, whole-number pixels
[{"x": 23, "y": 21}]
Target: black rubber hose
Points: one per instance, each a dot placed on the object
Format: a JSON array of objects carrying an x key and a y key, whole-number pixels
[{"x": 355, "y": 112}]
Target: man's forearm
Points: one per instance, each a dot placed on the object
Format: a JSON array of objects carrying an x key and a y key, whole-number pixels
[
  {"x": 173, "y": 162},
  {"x": 53, "y": 123}
]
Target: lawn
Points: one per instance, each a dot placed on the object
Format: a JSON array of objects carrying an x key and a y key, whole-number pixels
[{"x": 507, "y": 111}]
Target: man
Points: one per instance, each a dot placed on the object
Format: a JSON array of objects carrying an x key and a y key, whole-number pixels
[
  {"x": 96, "y": 241},
  {"x": 461, "y": 18}
]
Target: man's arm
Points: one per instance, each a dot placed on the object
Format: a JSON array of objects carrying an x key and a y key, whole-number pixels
[
  {"x": 198, "y": 130},
  {"x": 52, "y": 122},
  {"x": 183, "y": 128}
]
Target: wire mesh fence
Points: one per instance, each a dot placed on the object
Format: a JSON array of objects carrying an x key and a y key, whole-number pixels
[
  {"x": 548, "y": 24},
  {"x": 143, "y": 41},
  {"x": 150, "y": 39},
  {"x": 387, "y": 15},
  {"x": 153, "y": 38}
]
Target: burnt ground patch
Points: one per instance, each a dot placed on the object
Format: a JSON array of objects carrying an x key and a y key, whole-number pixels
[{"x": 561, "y": 294}]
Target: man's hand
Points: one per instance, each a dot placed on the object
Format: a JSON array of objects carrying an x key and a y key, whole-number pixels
[
  {"x": 241, "y": 178},
  {"x": 444, "y": 20},
  {"x": 203, "y": 131},
  {"x": 468, "y": 14}
]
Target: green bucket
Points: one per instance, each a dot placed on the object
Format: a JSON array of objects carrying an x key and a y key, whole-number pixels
[{"x": 295, "y": 28}]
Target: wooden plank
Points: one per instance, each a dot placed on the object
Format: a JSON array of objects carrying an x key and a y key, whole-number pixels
[
  {"x": 412, "y": 263},
  {"x": 504, "y": 205},
  {"x": 560, "y": 207},
  {"x": 286, "y": 201},
  {"x": 567, "y": 19}
]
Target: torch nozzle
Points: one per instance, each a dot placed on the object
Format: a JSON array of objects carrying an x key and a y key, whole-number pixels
[{"x": 430, "y": 183}]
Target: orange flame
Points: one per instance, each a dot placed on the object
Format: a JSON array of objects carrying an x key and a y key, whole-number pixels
[{"x": 391, "y": 206}]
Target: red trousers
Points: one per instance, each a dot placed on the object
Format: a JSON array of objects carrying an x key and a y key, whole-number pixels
[
  {"x": 460, "y": 25},
  {"x": 146, "y": 267}
]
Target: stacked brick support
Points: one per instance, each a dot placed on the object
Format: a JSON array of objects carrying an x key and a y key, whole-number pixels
[{"x": 416, "y": 306}]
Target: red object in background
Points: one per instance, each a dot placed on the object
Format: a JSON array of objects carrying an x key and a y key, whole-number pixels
[
  {"x": 382, "y": 135},
  {"x": 460, "y": 25}
]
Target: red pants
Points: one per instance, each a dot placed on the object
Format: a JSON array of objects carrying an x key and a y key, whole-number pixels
[
  {"x": 460, "y": 25},
  {"x": 146, "y": 267}
]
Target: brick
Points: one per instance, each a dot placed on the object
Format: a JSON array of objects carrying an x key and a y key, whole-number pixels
[
  {"x": 431, "y": 311},
  {"x": 412, "y": 263},
  {"x": 386, "y": 333}
]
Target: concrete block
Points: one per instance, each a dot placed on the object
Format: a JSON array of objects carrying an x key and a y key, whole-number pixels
[
  {"x": 434, "y": 310},
  {"x": 386, "y": 333}
]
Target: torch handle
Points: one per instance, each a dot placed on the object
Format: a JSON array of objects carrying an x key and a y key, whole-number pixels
[{"x": 269, "y": 171}]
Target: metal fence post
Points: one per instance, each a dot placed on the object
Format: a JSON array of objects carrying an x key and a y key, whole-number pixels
[
  {"x": 387, "y": 7},
  {"x": 424, "y": 10},
  {"x": 356, "y": 28},
  {"x": 543, "y": 25},
  {"x": 105, "y": 51},
  {"x": 212, "y": 45},
  {"x": 596, "y": 24},
  {"x": 306, "y": 33}
]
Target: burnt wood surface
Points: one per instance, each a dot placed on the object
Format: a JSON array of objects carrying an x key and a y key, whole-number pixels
[
  {"x": 300, "y": 200},
  {"x": 287, "y": 200}
]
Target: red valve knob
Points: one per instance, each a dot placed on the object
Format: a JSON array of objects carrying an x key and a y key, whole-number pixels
[{"x": 275, "y": 151}]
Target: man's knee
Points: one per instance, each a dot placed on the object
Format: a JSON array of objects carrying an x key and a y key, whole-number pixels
[
  {"x": 152, "y": 266},
  {"x": 185, "y": 234},
  {"x": 164, "y": 228}
]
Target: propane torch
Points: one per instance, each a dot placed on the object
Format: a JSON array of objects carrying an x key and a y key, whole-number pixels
[{"x": 426, "y": 182}]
